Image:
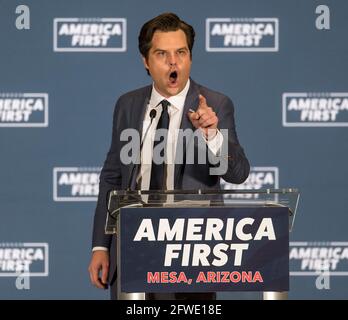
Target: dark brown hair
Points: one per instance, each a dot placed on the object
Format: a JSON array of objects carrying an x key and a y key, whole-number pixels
[{"x": 165, "y": 22}]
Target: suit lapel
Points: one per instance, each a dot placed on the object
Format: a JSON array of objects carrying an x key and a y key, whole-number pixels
[
  {"x": 136, "y": 121},
  {"x": 138, "y": 116}
]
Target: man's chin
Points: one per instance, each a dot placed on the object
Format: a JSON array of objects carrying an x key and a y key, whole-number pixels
[
  {"x": 170, "y": 90},
  {"x": 174, "y": 90}
]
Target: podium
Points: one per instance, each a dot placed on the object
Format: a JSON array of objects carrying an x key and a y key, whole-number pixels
[{"x": 202, "y": 240}]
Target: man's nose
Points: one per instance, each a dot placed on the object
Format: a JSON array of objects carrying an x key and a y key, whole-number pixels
[{"x": 172, "y": 59}]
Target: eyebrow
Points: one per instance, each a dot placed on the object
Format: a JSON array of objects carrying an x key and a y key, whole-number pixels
[{"x": 158, "y": 49}]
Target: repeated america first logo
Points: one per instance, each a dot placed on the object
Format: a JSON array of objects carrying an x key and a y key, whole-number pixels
[
  {"x": 75, "y": 183},
  {"x": 319, "y": 109},
  {"x": 90, "y": 34},
  {"x": 259, "y": 178},
  {"x": 311, "y": 258},
  {"x": 23, "y": 109},
  {"x": 242, "y": 34},
  {"x": 30, "y": 258}
]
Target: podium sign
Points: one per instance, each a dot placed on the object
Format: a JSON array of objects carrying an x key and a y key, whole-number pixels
[{"x": 204, "y": 249}]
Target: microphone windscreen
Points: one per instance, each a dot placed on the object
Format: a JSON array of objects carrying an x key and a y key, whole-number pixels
[{"x": 153, "y": 113}]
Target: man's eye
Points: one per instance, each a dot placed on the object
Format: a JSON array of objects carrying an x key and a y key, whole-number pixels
[{"x": 161, "y": 53}]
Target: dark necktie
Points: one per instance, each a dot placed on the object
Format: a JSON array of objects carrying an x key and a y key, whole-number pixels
[{"x": 159, "y": 171}]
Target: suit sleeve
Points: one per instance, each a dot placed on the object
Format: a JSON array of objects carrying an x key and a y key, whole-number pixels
[
  {"x": 237, "y": 163},
  {"x": 110, "y": 179}
]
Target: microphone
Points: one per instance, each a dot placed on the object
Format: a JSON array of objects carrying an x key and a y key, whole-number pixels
[{"x": 153, "y": 114}]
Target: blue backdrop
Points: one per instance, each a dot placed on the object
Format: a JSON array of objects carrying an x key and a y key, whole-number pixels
[{"x": 58, "y": 86}]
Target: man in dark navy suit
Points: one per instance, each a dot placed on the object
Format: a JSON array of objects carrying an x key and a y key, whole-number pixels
[{"x": 165, "y": 44}]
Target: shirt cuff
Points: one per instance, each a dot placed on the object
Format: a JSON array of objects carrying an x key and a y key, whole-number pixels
[
  {"x": 215, "y": 143},
  {"x": 100, "y": 249}
]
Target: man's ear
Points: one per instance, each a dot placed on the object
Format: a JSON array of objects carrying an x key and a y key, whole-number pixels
[{"x": 145, "y": 63}]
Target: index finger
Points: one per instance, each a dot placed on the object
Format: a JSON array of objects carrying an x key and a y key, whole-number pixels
[{"x": 202, "y": 101}]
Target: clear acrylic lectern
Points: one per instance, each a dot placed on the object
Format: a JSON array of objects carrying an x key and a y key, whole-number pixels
[{"x": 194, "y": 199}]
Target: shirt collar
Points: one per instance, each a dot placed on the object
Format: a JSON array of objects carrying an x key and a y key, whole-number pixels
[{"x": 176, "y": 101}]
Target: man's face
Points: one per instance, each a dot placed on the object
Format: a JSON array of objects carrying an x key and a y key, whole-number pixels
[{"x": 169, "y": 62}]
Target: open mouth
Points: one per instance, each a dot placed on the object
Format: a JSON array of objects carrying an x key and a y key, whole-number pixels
[{"x": 173, "y": 76}]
